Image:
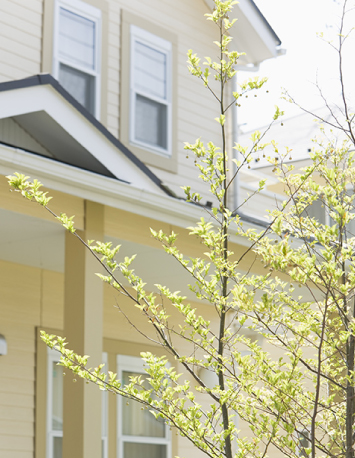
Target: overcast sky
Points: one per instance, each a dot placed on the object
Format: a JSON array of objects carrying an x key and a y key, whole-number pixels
[{"x": 307, "y": 59}]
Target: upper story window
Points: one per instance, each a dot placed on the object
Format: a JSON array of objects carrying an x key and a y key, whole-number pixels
[
  {"x": 76, "y": 57},
  {"x": 150, "y": 91}
]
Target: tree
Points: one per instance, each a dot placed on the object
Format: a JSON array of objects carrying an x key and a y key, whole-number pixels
[{"x": 301, "y": 402}]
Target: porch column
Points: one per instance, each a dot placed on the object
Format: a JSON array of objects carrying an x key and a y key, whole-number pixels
[{"x": 83, "y": 319}]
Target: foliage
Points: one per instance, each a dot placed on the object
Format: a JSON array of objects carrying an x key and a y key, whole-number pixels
[{"x": 284, "y": 361}]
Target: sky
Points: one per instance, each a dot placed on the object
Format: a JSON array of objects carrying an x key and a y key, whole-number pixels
[{"x": 308, "y": 59}]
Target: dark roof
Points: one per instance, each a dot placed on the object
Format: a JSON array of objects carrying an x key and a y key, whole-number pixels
[
  {"x": 44, "y": 79},
  {"x": 277, "y": 39}
]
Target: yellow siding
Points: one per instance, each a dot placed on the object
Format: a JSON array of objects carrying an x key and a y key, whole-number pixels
[
  {"x": 20, "y": 299},
  {"x": 61, "y": 203},
  {"x": 52, "y": 300},
  {"x": 30, "y": 297},
  {"x": 128, "y": 226}
]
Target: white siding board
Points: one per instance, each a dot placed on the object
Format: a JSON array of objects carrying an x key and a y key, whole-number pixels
[
  {"x": 114, "y": 32},
  {"x": 20, "y": 49},
  {"x": 112, "y": 124},
  {"x": 112, "y": 109},
  {"x": 113, "y": 64},
  {"x": 21, "y": 11},
  {"x": 112, "y": 89},
  {"x": 33, "y": 5},
  {"x": 113, "y": 53},
  {"x": 19, "y": 30},
  {"x": 113, "y": 38},
  {"x": 113, "y": 76},
  {"x": 115, "y": 18},
  {"x": 9, "y": 73},
  {"x": 19, "y": 63}
]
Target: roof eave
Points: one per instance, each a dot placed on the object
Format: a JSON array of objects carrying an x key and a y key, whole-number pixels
[
  {"x": 252, "y": 33},
  {"x": 48, "y": 80}
]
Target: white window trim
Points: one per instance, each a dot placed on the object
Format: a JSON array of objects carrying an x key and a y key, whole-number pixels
[
  {"x": 135, "y": 364},
  {"x": 104, "y": 410},
  {"x": 164, "y": 46},
  {"x": 88, "y": 12},
  {"x": 52, "y": 357}
]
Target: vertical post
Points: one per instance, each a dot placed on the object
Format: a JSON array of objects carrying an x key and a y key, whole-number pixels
[{"x": 83, "y": 320}]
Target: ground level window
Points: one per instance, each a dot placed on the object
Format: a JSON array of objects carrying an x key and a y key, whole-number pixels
[
  {"x": 55, "y": 408},
  {"x": 139, "y": 433}
]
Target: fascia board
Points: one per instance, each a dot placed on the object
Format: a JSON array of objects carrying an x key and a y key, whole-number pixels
[
  {"x": 46, "y": 98},
  {"x": 251, "y": 33},
  {"x": 265, "y": 44},
  {"x": 106, "y": 191}
]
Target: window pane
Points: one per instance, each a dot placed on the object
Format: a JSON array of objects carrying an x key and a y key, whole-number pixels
[
  {"x": 151, "y": 122},
  {"x": 149, "y": 70},
  {"x": 316, "y": 210},
  {"x": 57, "y": 447},
  {"x": 77, "y": 39},
  {"x": 57, "y": 398},
  {"x": 138, "y": 422},
  {"x": 134, "y": 450},
  {"x": 80, "y": 85}
]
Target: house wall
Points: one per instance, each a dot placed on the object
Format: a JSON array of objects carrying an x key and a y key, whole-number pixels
[
  {"x": 26, "y": 42},
  {"x": 30, "y": 297},
  {"x": 20, "y": 38},
  {"x": 33, "y": 298}
]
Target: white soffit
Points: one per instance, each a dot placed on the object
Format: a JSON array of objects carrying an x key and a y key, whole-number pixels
[
  {"x": 252, "y": 33},
  {"x": 55, "y": 123}
]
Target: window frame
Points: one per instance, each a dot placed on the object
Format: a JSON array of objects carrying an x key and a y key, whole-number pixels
[
  {"x": 147, "y": 154},
  {"x": 163, "y": 46},
  {"x": 93, "y": 14},
  {"x": 52, "y": 357},
  {"x": 135, "y": 364}
]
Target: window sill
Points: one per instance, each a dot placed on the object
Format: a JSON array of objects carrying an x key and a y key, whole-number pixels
[{"x": 154, "y": 159}]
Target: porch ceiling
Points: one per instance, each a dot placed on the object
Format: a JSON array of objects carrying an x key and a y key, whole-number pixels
[{"x": 39, "y": 243}]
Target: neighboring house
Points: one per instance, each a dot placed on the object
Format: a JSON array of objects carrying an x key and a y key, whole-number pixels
[
  {"x": 95, "y": 102},
  {"x": 295, "y": 137}
]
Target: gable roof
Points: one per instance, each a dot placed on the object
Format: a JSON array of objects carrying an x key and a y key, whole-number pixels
[{"x": 70, "y": 134}]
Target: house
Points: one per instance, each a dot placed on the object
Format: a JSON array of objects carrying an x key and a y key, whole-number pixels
[
  {"x": 95, "y": 102},
  {"x": 296, "y": 137}
]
